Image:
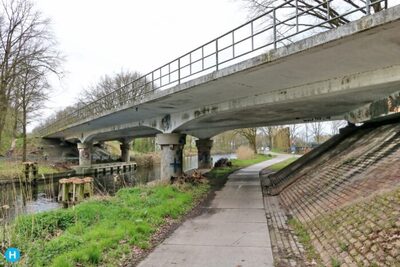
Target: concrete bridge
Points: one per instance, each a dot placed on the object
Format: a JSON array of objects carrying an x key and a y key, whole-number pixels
[{"x": 351, "y": 71}]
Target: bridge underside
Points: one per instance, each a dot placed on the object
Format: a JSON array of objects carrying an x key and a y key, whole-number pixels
[
  {"x": 319, "y": 78},
  {"x": 333, "y": 75}
]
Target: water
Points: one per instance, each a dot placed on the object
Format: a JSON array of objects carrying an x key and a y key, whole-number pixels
[{"x": 42, "y": 197}]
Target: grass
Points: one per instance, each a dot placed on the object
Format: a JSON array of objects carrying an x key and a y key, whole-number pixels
[
  {"x": 102, "y": 230},
  {"x": 335, "y": 262},
  {"x": 238, "y": 163},
  {"x": 10, "y": 170},
  {"x": 279, "y": 166},
  {"x": 304, "y": 239}
]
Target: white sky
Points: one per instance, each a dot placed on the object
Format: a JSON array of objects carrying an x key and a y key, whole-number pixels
[{"x": 101, "y": 37}]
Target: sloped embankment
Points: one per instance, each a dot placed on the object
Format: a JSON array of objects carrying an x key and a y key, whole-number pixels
[{"x": 346, "y": 202}]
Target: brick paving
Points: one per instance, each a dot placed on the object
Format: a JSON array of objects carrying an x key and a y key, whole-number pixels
[{"x": 348, "y": 201}]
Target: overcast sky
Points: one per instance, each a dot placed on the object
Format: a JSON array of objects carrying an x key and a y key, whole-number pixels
[{"x": 101, "y": 37}]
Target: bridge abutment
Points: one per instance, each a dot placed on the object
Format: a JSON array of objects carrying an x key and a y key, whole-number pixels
[
  {"x": 85, "y": 154},
  {"x": 204, "y": 153},
  {"x": 171, "y": 154}
]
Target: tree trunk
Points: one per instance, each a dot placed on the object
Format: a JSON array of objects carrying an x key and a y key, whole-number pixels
[
  {"x": 253, "y": 144},
  {"x": 24, "y": 134},
  {"x": 23, "y": 130},
  {"x": 3, "y": 113},
  {"x": 15, "y": 128}
]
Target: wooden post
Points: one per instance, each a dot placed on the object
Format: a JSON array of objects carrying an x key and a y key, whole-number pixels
[{"x": 74, "y": 190}]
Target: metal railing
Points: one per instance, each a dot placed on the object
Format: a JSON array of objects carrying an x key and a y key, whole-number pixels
[{"x": 288, "y": 22}]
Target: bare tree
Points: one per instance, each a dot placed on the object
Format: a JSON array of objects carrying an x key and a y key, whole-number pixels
[
  {"x": 294, "y": 132},
  {"x": 317, "y": 130},
  {"x": 325, "y": 14},
  {"x": 33, "y": 91},
  {"x": 24, "y": 37},
  {"x": 114, "y": 91},
  {"x": 251, "y": 136},
  {"x": 336, "y": 125},
  {"x": 322, "y": 10},
  {"x": 270, "y": 132}
]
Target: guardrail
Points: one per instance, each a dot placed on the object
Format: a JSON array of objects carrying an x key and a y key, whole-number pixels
[{"x": 287, "y": 22}]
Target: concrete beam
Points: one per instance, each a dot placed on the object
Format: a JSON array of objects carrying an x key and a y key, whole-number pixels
[{"x": 384, "y": 108}]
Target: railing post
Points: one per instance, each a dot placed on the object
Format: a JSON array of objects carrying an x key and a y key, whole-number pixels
[
  {"x": 327, "y": 11},
  {"x": 179, "y": 70},
  {"x": 233, "y": 44},
  {"x": 202, "y": 58},
  {"x": 274, "y": 24},
  {"x": 368, "y": 6},
  {"x": 216, "y": 53},
  {"x": 297, "y": 16},
  {"x": 252, "y": 35}
]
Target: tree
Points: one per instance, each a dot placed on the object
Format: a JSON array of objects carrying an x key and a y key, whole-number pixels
[
  {"x": 336, "y": 125},
  {"x": 317, "y": 130},
  {"x": 33, "y": 90},
  {"x": 113, "y": 91},
  {"x": 294, "y": 132},
  {"x": 25, "y": 37},
  {"x": 258, "y": 7},
  {"x": 312, "y": 12},
  {"x": 251, "y": 136},
  {"x": 269, "y": 132}
]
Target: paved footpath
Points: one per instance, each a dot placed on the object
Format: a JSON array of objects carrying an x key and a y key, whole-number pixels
[{"x": 232, "y": 231}]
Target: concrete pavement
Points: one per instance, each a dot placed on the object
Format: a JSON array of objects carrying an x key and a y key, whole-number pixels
[{"x": 232, "y": 230}]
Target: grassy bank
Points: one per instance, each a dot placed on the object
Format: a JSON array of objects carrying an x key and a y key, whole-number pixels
[
  {"x": 105, "y": 231},
  {"x": 101, "y": 230},
  {"x": 219, "y": 175},
  {"x": 10, "y": 170},
  {"x": 247, "y": 162},
  {"x": 280, "y": 165}
]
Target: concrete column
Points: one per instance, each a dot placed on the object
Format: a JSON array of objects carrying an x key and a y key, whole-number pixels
[
  {"x": 125, "y": 146},
  {"x": 171, "y": 154},
  {"x": 204, "y": 153},
  {"x": 85, "y": 154}
]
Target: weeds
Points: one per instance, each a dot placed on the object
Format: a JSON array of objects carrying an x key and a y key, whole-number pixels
[
  {"x": 100, "y": 230},
  {"x": 343, "y": 247},
  {"x": 304, "y": 239},
  {"x": 335, "y": 262}
]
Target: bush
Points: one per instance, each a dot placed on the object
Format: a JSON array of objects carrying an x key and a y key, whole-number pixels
[
  {"x": 147, "y": 160},
  {"x": 244, "y": 152}
]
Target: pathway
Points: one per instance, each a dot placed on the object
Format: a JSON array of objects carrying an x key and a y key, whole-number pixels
[{"x": 232, "y": 230}]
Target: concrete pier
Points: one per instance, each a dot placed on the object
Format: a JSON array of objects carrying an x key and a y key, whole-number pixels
[
  {"x": 85, "y": 154},
  {"x": 204, "y": 153},
  {"x": 125, "y": 147},
  {"x": 171, "y": 154}
]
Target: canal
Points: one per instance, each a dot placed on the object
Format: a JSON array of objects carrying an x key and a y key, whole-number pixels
[{"x": 19, "y": 199}]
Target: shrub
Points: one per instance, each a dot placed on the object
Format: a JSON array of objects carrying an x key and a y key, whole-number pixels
[{"x": 244, "y": 152}]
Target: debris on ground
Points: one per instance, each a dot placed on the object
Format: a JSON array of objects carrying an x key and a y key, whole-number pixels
[
  {"x": 223, "y": 162},
  {"x": 194, "y": 178}
]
